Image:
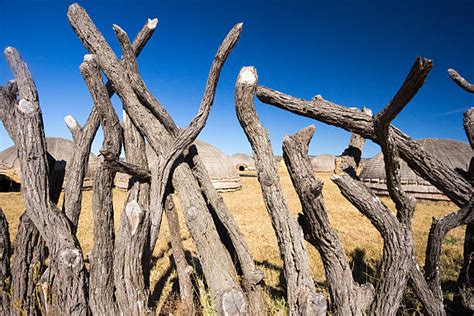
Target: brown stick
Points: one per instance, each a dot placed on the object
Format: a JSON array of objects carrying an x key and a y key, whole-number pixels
[{"x": 301, "y": 292}]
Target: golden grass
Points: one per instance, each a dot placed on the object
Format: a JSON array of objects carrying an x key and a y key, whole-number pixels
[{"x": 362, "y": 242}]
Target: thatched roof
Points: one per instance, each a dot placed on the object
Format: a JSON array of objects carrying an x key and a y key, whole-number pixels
[
  {"x": 59, "y": 148},
  {"x": 324, "y": 162},
  {"x": 220, "y": 167},
  {"x": 454, "y": 154},
  {"x": 243, "y": 162}
]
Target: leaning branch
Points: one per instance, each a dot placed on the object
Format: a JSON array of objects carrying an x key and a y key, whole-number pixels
[
  {"x": 353, "y": 120},
  {"x": 460, "y": 81}
]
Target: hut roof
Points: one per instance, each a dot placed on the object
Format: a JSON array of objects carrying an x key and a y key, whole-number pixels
[
  {"x": 243, "y": 162},
  {"x": 454, "y": 154},
  {"x": 221, "y": 169},
  {"x": 324, "y": 162},
  {"x": 59, "y": 148}
]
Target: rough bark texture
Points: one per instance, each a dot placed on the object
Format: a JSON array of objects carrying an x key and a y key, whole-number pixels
[
  {"x": 70, "y": 283},
  {"x": 183, "y": 269},
  {"x": 301, "y": 292},
  {"x": 83, "y": 137},
  {"x": 397, "y": 253},
  {"x": 101, "y": 288},
  {"x": 347, "y": 297},
  {"x": 31, "y": 253},
  {"x": 132, "y": 254},
  {"x": 220, "y": 274},
  {"x": 5, "y": 251},
  {"x": 252, "y": 277}
]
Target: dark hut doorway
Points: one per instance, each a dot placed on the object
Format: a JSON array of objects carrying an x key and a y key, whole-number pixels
[{"x": 8, "y": 185}]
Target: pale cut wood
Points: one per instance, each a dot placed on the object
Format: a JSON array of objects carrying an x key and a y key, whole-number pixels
[{"x": 301, "y": 293}]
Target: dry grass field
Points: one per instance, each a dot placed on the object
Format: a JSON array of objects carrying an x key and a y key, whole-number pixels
[{"x": 362, "y": 242}]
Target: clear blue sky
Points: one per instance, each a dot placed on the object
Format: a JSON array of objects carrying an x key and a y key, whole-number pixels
[{"x": 352, "y": 53}]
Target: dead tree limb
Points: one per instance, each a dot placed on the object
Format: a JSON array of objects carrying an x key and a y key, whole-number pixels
[
  {"x": 101, "y": 283},
  {"x": 220, "y": 274},
  {"x": 183, "y": 269},
  {"x": 83, "y": 137},
  {"x": 5, "y": 274},
  {"x": 353, "y": 120},
  {"x": 347, "y": 297},
  {"x": 252, "y": 277},
  {"x": 460, "y": 81},
  {"x": 70, "y": 283},
  {"x": 301, "y": 292}
]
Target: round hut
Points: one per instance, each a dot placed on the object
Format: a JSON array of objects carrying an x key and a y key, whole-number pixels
[
  {"x": 221, "y": 169},
  {"x": 323, "y": 163},
  {"x": 243, "y": 162},
  {"x": 59, "y": 148},
  {"x": 454, "y": 154}
]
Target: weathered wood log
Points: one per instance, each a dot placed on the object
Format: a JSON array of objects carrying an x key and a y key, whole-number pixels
[
  {"x": 83, "y": 137},
  {"x": 70, "y": 282},
  {"x": 427, "y": 166},
  {"x": 252, "y": 277},
  {"x": 397, "y": 253},
  {"x": 301, "y": 292},
  {"x": 183, "y": 269},
  {"x": 132, "y": 250},
  {"x": 347, "y": 297},
  {"x": 5, "y": 274},
  {"x": 101, "y": 281},
  {"x": 220, "y": 274}
]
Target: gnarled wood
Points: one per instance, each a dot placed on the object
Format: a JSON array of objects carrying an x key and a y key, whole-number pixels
[
  {"x": 69, "y": 284},
  {"x": 347, "y": 297},
  {"x": 353, "y": 120},
  {"x": 301, "y": 292},
  {"x": 220, "y": 274}
]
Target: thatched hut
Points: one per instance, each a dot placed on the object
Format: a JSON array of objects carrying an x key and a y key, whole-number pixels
[
  {"x": 454, "y": 154},
  {"x": 59, "y": 148},
  {"x": 243, "y": 162},
  {"x": 221, "y": 170},
  {"x": 323, "y": 163}
]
